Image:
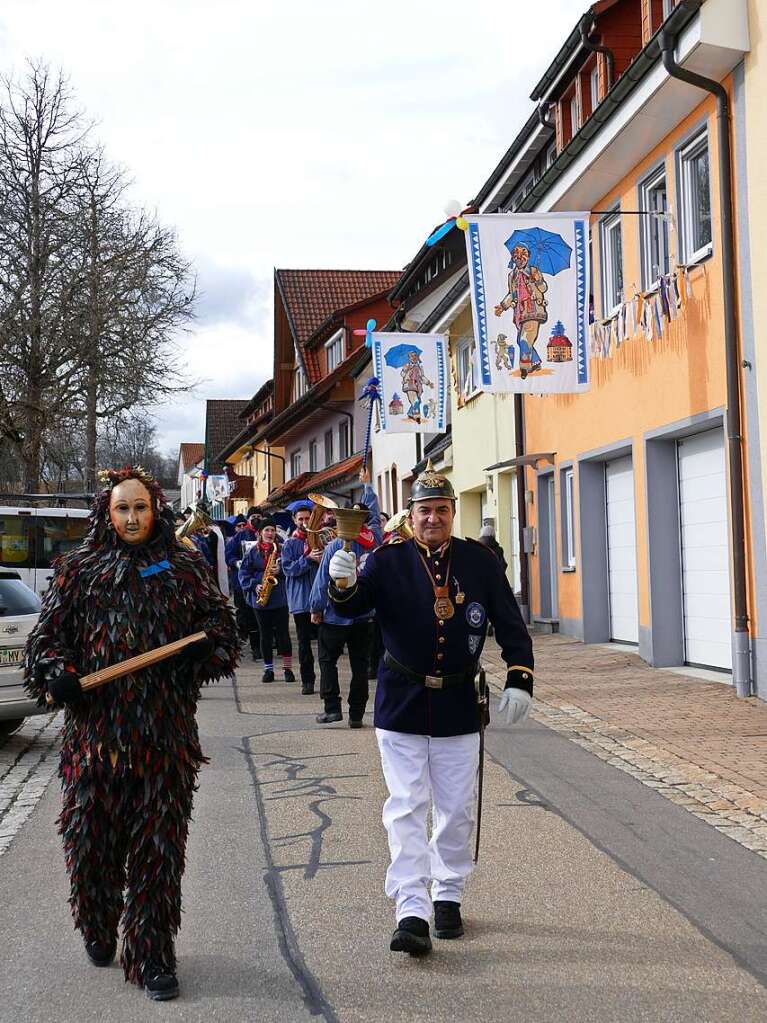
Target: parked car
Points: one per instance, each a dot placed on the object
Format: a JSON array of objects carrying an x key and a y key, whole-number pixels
[{"x": 19, "y": 611}]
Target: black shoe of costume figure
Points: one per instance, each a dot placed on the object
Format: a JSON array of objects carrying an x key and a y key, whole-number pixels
[
  {"x": 268, "y": 676},
  {"x": 447, "y": 920},
  {"x": 307, "y": 690},
  {"x": 356, "y": 722},
  {"x": 412, "y": 935},
  {"x": 100, "y": 955},
  {"x": 289, "y": 676},
  {"x": 329, "y": 717},
  {"x": 160, "y": 983}
]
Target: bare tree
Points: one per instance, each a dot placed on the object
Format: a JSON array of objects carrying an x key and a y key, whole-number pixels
[
  {"x": 140, "y": 292},
  {"x": 40, "y": 267}
]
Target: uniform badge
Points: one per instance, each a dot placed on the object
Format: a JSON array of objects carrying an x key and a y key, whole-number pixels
[
  {"x": 475, "y": 615},
  {"x": 474, "y": 641}
]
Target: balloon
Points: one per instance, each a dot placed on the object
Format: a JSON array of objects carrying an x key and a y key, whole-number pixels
[
  {"x": 462, "y": 223},
  {"x": 371, "y": 325},
  {"x": 452, "y": 208},
  {"x": 440, "y": 233}
]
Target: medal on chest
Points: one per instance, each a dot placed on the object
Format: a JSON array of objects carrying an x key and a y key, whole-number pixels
[{"x": 443, "y": 605}]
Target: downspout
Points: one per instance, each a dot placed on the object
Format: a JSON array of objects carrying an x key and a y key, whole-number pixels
[
  {"x": 524, "y": 569},
  {"x": 741, "y": 669},
  {"x": 585, "y": 26}
]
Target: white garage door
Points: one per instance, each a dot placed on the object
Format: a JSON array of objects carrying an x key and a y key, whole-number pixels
[
  {"x": 705, "y": 550},
  {"x": 621, "y": 550}
]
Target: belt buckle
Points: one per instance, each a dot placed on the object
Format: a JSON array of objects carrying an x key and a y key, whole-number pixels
[{"x": 433, "y": 682}]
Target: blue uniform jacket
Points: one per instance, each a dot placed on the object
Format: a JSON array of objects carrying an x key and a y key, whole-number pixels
[
  {"x": 319, "y": 601},
  {"x": 233, "y": 554},
  {"x": 251, "y": 573},
  {"x": 399, "y": 586},
  {"x": 299, "y": 574}
]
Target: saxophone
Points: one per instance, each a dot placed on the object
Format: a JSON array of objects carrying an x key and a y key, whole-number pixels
[{"x": 269, "y": 580}]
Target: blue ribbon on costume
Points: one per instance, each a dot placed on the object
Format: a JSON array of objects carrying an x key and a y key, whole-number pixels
[
  {"x": 371, "y": 393},
  {"x": 154, "y": 569}
]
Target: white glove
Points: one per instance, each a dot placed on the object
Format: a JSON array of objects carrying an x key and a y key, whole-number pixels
[
  {"x": 516, "y": 703},
  {"x": 343, "y": 565}
]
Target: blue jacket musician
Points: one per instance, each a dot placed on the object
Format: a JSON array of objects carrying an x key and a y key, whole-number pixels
[{"x": 434, "y": 596}]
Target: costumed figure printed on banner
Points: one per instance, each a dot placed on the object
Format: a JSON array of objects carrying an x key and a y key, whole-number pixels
[
  {"x": 413, "y": 377},
  {"x": 529, "y": 275}
]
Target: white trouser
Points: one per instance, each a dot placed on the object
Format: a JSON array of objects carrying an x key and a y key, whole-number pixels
[{"x": 418, "y": 770}]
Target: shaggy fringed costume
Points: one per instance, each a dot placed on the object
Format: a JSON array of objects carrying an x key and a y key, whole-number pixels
[{"x": 131, "y": 750}]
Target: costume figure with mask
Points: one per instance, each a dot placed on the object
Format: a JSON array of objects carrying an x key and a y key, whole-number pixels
[
  {"x": 433, "y": 595},
  {"x": 130, "y": 749}
]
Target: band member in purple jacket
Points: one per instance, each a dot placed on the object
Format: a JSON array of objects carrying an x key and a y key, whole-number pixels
[{"x": 300, "y": 561}]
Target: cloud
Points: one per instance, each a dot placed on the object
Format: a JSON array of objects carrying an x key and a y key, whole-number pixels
[{"x": 231, "y": 295}]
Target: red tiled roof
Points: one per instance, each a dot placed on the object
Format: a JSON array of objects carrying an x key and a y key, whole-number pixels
[
  {"x": 191, "y": 454},
  {"x": 288, "y": 488},
  {"x": 311, "y": 296}
]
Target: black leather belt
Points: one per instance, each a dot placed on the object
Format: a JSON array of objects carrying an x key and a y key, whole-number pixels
[{"x": 431, "y": 681}]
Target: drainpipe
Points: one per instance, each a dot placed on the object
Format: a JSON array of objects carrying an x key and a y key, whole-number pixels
[
  {"x": 524, "y": 565},
  {"x": 585, "y": 26},
  {"x": 741, "y": 670}
]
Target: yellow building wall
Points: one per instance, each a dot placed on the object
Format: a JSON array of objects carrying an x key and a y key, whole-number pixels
[
  {"x": 257, "y": 467},
  {"x": 643, "y": 384}
]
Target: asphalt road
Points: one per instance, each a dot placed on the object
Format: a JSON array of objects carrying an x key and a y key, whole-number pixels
[{"x": 594, "y": 899}]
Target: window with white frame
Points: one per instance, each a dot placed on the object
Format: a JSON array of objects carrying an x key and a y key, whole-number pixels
[
  {"x": 568, "y": 518},
  {"x": 300, "y": 383},
  {"x": 467, "y": 379},
  {"x": 313, "y": 467},
  {"x": 343, "y": 439},
  {"x": 653, "y": 198},
  {"x": 612, "y": 264},
  {"x": 574, "y": 114},
  {"x": 328, "y": 448},
  {"x": 295, "y": 464},
  {"x": 694, "y": 200},
  {"x": 335, "y": 350},
  {"x": 594, "y": 86}
]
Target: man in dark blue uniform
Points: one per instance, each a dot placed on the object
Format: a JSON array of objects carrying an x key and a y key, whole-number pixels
[{"x": 434, "y": 596}]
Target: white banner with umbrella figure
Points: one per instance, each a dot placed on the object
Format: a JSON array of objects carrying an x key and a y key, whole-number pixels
[
  {"x": 529, "y": 279},
  {"x": 412, "y": 377}
]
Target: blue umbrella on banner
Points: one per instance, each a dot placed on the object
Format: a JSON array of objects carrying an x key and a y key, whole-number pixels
[
  {"x": 399, "y": 355},
  {"x": 548, "y": 251}
]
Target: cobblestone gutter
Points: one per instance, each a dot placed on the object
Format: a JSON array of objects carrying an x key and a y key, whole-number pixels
[{"x": 28, "y": 761}]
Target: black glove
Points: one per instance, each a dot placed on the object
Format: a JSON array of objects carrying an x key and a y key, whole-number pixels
[
  {"x": 62, "y": 683},
  {"x": 201, "y": 650}
]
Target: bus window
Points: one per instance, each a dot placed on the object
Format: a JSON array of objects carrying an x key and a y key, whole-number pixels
[
  {"x": 58, "y": 535},
  {"x": 17, "y": 541}
]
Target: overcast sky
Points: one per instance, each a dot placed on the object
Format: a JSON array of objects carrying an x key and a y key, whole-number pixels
[{"x": 298, "y": 133}]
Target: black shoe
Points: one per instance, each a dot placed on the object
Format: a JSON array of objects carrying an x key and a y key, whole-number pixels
[
  {"x": 99, "y": 954},
  {"x": 412, "y": 935},
  {"x": 160, "y": 983},
  {"x": 355, "y": 722},
  {"x": 329, "y": 717},
  {"x": 307, "y": 690},
  {"x": 447, "y": 920},
  {"x": 268, "y": 676},
  {"x": 289, "y": 676}
]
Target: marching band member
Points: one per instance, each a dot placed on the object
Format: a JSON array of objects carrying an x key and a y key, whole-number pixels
[
  {"x": 263, "y": 585},
  {"x": 337, "y": 629},
  {"x": 433, "y": 596},
  {"x": 234, "y": 553},
  {"x": 130, "y": 750},
  {"x": 300, "y": 562}
]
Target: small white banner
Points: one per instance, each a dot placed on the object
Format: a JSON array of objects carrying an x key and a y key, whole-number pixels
[
  {"x": 529, "y": 279},
  {"x": 412, "y": 371}
]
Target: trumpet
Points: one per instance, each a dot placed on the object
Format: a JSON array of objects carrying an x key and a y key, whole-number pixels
[
  {"x": 399, "y": 527},
  {"x": 199, "y": 519},
  {"x": 269, "y": 579}
]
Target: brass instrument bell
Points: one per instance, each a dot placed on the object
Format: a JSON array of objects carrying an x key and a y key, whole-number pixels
[
  {"x": 349, "y": 521},
  {"x": 398, "y": 524}
]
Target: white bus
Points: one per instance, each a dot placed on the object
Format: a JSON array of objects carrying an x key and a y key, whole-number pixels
[{"x": 30, "y": 538}]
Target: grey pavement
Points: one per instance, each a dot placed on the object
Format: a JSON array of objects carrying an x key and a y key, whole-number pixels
[{"x": 594, "y": 898}]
